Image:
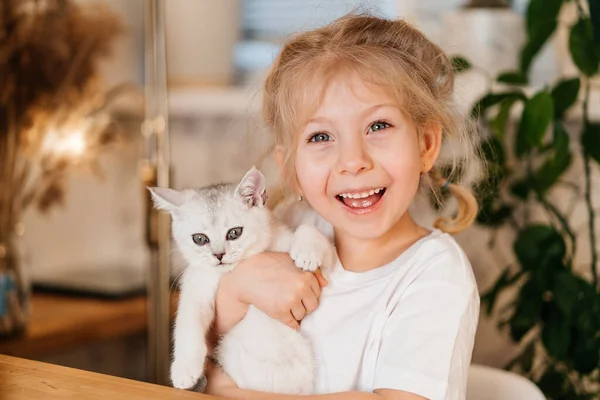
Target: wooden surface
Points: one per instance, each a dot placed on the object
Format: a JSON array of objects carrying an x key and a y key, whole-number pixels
[
  {"x": 60, "y": 322},
  {"x": 22, "y": 379}
]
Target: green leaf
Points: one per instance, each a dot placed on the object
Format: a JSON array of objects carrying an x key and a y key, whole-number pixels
[
  {"x": 537, "y": 114},
  {"x": 586, "y": 352},
  {"x": 492, "y": 99},
  {"x": 595, "y": 18},
  {"x": 499, "y": 123},
  {"x": 541, "y": 23},
  {"x": 549, "y": 173},
  {"x": 561, "y": 140},
  {"x": 566, "y": 288},
  {"x": 541, "y": 12},
  {"x": 552, "y": 382},
  {"x": 590, "y": 141},
  {"x": 557, "y": 164},
  {"x": 527, "y": 311},
  {"x": 537, "y": 246},
  {"x": 504, "y": 280},
  {"x": 586, "y": 307},
  {"x": 460, "y": 64},
  {"x": 494, "y": 216},
  {"x": 583, "y": 51},
  {"x": 513, "y": 78},
  {"x": 556, "y": 333},
  {"x": 492, "y": 151},
  {"x": 564, "y": 95},
  {"x": 521, "y": 188},
  {"x": 491, "y": 212}
]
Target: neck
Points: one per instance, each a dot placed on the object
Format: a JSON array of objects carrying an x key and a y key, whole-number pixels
[{"x": 360, "y": 255}]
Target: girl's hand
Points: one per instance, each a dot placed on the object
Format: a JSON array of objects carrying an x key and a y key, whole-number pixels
[{"x": 272, "y": 283}]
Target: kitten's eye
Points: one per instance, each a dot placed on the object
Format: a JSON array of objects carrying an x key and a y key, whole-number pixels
[
  {"x": 378, "y": 126},
  {"x": 234, "y": 233},
  {"x": 200, "y": 239},
  {"x": 320, "y": 137}
]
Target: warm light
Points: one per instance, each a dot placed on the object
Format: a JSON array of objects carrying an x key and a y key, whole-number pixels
[
  {"x": 69, "y": 144},
  {"x": 72, "y": 144}
]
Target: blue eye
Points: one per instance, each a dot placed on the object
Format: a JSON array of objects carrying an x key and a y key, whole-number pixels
[
  {"x": 320, "y": 137},
  {"x": 378, "y": 126}
]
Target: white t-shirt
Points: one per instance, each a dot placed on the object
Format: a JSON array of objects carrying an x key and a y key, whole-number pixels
[{"x": 408, "y": 325}]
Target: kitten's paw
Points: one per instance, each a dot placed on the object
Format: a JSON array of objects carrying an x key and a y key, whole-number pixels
[
  {"x": 187, "y": 372},
  {"x": 310, "y": 249}
]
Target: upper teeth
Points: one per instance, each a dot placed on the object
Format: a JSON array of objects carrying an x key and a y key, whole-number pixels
[{"x": 360, "y": 195}]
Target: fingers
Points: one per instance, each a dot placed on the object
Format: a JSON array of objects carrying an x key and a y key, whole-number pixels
[
  {"x": 298, "y": 311},
  {"x": 320, "y": 278},
  {"x": 310, "y": 303},
  {"x": 315, "y": 287},
  {"x": 292, "y": 322}
]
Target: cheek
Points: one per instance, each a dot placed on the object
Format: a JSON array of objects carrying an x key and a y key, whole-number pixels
[
  {"x": 402, "y": 156},
  {"x": 192, "y": 252},
  {"x": 311, "y": 171}
]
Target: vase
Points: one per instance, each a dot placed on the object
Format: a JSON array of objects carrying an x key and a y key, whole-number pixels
[{"x": 15, "y": 290}]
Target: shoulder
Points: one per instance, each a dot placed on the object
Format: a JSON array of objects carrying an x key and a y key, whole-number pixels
[{"x": 439, "y": 259}]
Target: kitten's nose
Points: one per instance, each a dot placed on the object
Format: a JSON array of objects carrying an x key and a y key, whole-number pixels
[{"x": 219, "y": 256}]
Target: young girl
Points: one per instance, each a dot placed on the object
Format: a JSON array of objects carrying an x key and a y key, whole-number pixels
[{"x": 359, "y": 110}]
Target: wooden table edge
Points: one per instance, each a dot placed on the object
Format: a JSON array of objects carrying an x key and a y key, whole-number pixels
[{"x": 22, "y": 379}]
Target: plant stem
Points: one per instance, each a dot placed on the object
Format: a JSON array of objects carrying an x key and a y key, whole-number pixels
[
  {"x": 588, "y": 191},
  {"x": 529, "y": 167},
  {"x": 588, "y": 201}
]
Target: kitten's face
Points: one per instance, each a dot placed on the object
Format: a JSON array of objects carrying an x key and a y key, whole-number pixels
[{"x": 219, "y": 225}]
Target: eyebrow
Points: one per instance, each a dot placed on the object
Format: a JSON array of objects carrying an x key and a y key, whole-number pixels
[{"x": 368, "y": 111}]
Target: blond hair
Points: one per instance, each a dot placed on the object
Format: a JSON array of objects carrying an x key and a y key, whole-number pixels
[{"x": 390, "y": 53}]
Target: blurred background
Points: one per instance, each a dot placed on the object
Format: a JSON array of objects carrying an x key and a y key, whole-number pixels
[{"x": 78, "y": 245}]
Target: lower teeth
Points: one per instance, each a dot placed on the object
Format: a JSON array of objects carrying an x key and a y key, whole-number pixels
[{"x": 361, "y": 204}]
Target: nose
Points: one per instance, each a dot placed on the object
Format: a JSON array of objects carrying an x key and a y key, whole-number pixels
[
  {"x": 353, "y": 157},
  {"x": 219, "y": 256}
]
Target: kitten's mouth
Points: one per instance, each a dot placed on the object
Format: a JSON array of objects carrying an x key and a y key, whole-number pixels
[{"x": 361, "y": 200}]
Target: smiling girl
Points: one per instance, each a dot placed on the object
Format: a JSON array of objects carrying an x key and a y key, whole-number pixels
[{"x": 359, "y": 110}]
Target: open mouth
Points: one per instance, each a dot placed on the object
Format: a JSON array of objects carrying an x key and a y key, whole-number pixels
[{"x": 363, "y": 200}]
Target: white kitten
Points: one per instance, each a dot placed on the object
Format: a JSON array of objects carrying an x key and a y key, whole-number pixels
[{"x": 216, "y": 227}]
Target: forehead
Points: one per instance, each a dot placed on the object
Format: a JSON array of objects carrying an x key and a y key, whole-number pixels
[
  {"x": 211, "y": 206},
  {"x": 351, "y": 92},
  {"x": 340, "y": 87}
]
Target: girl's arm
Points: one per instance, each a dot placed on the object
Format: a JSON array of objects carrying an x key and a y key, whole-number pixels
[
  {"x": 220, "y": 385},
  {"x": 272, "y": 283}
]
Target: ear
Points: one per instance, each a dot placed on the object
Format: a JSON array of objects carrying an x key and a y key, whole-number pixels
[
  {"x": 431, "y": 144},
  {"x": 253, "y": 189},
  {"x": 167, "y": 199}
]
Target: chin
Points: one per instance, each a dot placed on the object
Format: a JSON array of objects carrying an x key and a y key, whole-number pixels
[{"x": 366, "y": 231}]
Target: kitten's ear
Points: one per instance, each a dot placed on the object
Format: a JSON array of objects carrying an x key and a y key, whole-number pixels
[
  {"x": 253, "y": 189},
  {"x": 167, "y": 199}
]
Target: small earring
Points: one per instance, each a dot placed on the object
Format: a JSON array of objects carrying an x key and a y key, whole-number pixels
[
  {"x": 446, "y": 185},
  {"x": 300, "y": 198}
]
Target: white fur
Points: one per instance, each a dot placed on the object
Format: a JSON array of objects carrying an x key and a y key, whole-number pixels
[{"x": 259, "y": 353}]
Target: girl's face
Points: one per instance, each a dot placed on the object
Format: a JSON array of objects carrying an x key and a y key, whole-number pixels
[{"x": 359, "y": 158}]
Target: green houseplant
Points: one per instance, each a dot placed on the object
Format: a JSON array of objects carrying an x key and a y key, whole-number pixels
[{"x": 554, "y": 308}]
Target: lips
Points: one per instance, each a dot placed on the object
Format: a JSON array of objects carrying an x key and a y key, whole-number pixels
[{"x": 362, "y": 200}]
